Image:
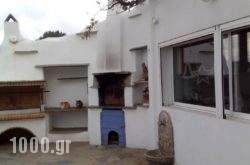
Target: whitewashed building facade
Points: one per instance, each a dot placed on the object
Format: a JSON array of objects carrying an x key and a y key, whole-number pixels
[{"x": 197, "y": 55}]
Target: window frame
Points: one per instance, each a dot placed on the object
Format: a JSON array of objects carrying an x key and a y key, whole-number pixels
[
  {"x": 216, "y": 31},
  {"x": 228, "y": 28},
  {"x": 182, "y": 40}
]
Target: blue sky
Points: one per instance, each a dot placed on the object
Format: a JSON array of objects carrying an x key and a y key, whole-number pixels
[{"x": 38, "y": 16}]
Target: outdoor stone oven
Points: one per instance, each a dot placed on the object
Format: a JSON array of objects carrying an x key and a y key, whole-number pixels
[
  {"x": 111, "y": 98},
  {"x": 111, "y": 88}
]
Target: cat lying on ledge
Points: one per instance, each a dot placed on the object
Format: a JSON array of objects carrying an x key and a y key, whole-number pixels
[{"x": 64, "y": 105}]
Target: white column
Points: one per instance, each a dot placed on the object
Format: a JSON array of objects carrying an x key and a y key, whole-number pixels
[
  {"x": 218, "y": 73},
  {"x": 128, "y": 97}
]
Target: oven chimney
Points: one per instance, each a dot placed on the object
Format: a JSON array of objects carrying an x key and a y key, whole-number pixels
[
  {"x": 11, "y": 30},
  {"x": 109, "y": 55}
]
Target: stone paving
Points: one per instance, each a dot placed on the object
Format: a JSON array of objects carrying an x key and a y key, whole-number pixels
[{"x": 79, "y": 154}]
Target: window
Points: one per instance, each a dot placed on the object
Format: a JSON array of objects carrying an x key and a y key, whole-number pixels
[
  {"x": 236, "y": 69},
  {"x": 194, "y": 73},
  {"x": 193, "y": 68}
]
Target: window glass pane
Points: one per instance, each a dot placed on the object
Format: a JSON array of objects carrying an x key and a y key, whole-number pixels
[
  {"x": 166, "y": 75},
  {"x": 241, "y": 72},
  {"x": 248, "y": 47},
  {"x": 240, "y": 68},
  {"x": 164, "y": 71},
  {"x": 194, "y": 73},
  {"x": 225, "y": 64},
  {"x": 235, "y": 69}
]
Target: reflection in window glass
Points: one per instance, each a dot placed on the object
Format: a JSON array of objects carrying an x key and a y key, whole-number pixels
[
  {"x": 236, "y": 48},
  {"x": 194, "y": 73},
  {"x": 225, "y": 61}
]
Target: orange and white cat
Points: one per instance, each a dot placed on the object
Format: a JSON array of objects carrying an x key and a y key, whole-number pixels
[{"x": 64, "y": 105}]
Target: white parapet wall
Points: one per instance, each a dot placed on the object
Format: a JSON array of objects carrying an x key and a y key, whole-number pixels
[
  {"x": 201, "y": 138},
  {"x": 137, "y": 127},
  {"x": 94, "y": 126},
  {"x": 74, "y": 137}
]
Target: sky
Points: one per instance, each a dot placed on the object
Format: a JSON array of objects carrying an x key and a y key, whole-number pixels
[{"x": 37, "y": 16}]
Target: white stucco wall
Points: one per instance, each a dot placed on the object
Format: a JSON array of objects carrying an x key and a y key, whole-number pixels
[
  {"x": 177, "y": 18},
  {"x": 24, "y": 60},
  {"x": 137, "y": 128},
  {"x": 78, "y": 119},
  {"x": 74, "y": 137},
  {"x": 18, "y": 67},
  {"x": 70, "y": 49},
  {"x": 136, "y": 32},
  {"x": 200, "y": 138},
  {"x": 109, "y": 53},
  {"x": 69, "y": 119},
  {"x": 50, "y": 51},
  {"x": 15, "y": 66}
]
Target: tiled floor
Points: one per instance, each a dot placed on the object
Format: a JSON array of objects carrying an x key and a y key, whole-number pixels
[{"x": 79, "y": 154}]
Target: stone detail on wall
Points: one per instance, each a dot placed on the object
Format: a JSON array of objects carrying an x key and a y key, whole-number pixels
[
  {"x": 165, "y": 153},
  {"x": 165, "y": 131}
]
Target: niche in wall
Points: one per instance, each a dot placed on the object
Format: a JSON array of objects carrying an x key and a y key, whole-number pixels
[
  {"x": 66, "y": 83},
  {"x": 140, "y": 76}
]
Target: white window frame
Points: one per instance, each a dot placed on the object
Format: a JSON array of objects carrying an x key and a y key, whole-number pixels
[
  {"x": 231, "y": 26},
  {"x": 215, "y": 32}
]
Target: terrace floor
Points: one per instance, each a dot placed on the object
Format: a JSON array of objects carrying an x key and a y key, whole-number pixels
[{"x": 79, "y": 154}]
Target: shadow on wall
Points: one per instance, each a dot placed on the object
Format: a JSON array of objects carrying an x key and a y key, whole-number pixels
[{"x": 15, "y": 132}]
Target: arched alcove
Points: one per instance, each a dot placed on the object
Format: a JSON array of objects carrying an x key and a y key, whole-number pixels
[
  {"x": 113, "y": 138},
  {"x": 15, "y": 132}
]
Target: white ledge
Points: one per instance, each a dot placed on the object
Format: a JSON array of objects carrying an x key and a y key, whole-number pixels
[
  {"x": 134, "y": 15},
  {"x": 61, "y": 65},
  {"x": 24, "y": 52}
]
